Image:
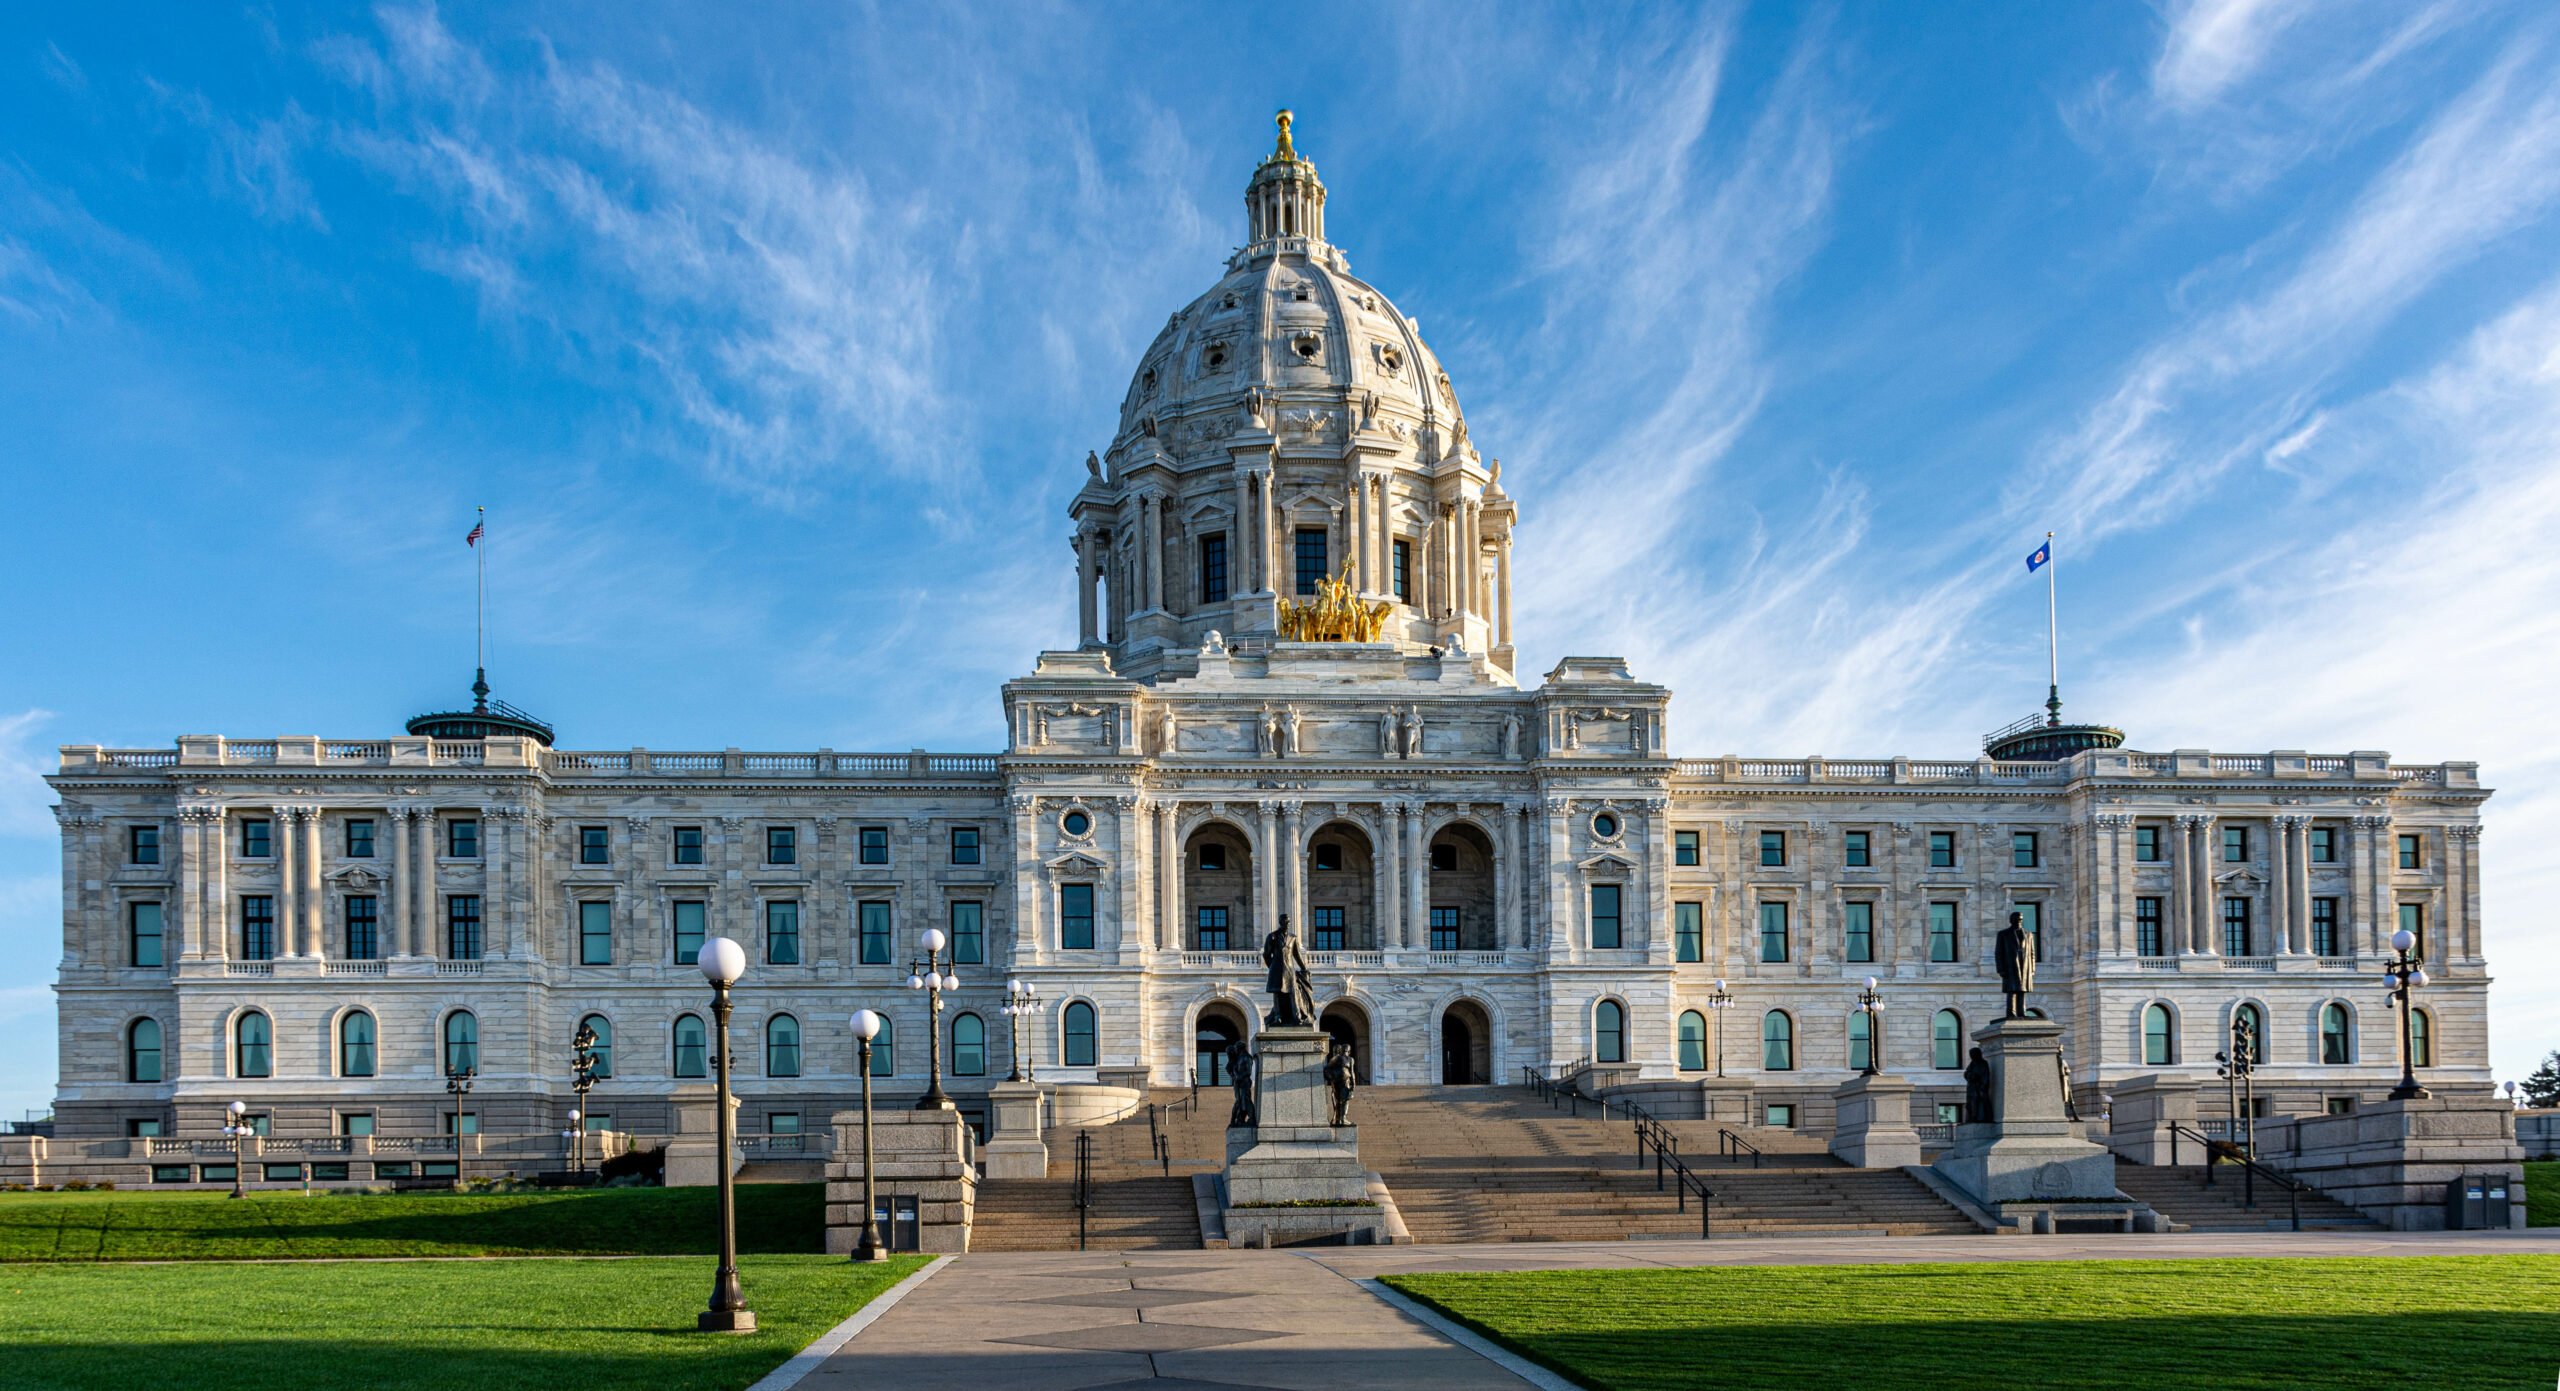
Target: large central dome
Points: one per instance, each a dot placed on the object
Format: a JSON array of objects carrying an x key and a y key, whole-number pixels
[{"x": 1289, "y": 425}]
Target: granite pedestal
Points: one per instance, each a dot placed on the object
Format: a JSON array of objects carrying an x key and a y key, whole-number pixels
[
  {"x": 1294, "y": 1176},
  {"x": 2030, "y": 1167}
]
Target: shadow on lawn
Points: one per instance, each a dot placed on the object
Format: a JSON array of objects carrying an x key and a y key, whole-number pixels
[
  {"x": 2435, "y": 1350},
  {"x": 670, "y": 1359}
]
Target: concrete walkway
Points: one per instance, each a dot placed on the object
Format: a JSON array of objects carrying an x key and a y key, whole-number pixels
[{"x": 1299, "y": 1320}]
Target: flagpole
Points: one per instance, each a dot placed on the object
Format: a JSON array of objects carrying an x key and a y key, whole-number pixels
[
  {"x": 2052, "y": 640},
  {"x": 480, "y": 608}
]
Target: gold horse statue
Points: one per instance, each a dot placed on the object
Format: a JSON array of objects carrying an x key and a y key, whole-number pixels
[{"x": 1335, "y": 614}]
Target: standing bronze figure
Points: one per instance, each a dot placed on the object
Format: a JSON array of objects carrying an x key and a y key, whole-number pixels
[
  {"x": 2015, "y": 954},
  {"x": 1341, "y": 1077},
  {"x": 1240, "y": 1073},
  {"x": 1293, "y": 1003},
  {"x": 1977, "y": 1090}
]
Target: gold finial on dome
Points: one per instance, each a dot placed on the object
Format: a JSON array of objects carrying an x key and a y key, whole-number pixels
[{"x": 1286, "y": 151}]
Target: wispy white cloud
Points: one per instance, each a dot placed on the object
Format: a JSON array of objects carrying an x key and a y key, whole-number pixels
[
  {"x": 25, "y": 801},
  {"x": 2212, "y": 44}
]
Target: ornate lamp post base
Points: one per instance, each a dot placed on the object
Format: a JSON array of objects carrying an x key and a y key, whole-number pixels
[{"x": 725, "y": 1321}]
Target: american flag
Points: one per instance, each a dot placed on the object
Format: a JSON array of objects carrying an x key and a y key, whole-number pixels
[{"x": 476, "y": 529}]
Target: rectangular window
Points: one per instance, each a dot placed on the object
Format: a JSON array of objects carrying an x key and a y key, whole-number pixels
[
  {"x": 216, "y": 1173},
  {"x": 595, "y": 934},
  {"x": 875, "y": 934},
  {"x": 1310, "y": 555},
  {"x": 364, "y": 936},
  {"x": 688, "y": 929},
  {"x": 1402, "y": 559},
  {"x": 2031, "y": 922},
  {"x": 172, "y": 1173},
  {"x": 593, "y": 1123},
  {"x": 1780, "y": 1116},
  {"x": 462, "y": 927},
  {"x": 1213, "y": 856},
  {"x": 781, "y": 845},
  {"x": 2324, "y": 845},
  {"x": 969, "y": 933},
  {"x": 1684, "y": 847},
  {"x": 1604, "y": 915},
  {"x": 2413, "y": 920},
  {"x": 460, "y": 1123},
  {"x": 401, "y": 1169},
  {"x": 1853, "y": 850},
  {"x": 434, "y": 1168},
  {"x": 360, "y": 839},
  {"x": 1773, "y": 848},
  {"x": 2324, "y": 927},
  {"x": 1213, "y": 569},
  {"x": 2409, "y": 856},
  {"x": 2146, "y": 926},
  {"x": 1858, "y": 925},
  {"x": 1688, "y": 932},
  {"x": 142, "y": 845},
  {"x": 1942, "y": 932},
  {"x": 257, "y": 927},
  {"x": 282, "y": 1173},
  {"x": 2146, "y": 844},
  {"x": 2235, "y": 927},
  {"x": 144, "y": 918},
  {"x": 782, "y": 934},
  {"x": 462, "y": 839},
  {"x": 688, "y": 846},
  {"x": 329, "y": 1173},
  {"x": 355, "y": 1124},
  {"x": 964, "y": 845},
  {"x": 875, "y": 845},
  {"x": 1210, "y": 930},
  {"x": 1329, "y": 857},
  {"x": 2235, "y": 844},
  {"x": 1773, "y": 932},
  {"x": 2022, "y": 851},
  {"x": 1075, "y": 917},
  {"x": 1444, "y": 929},
  {"x": 782, "y": 1123},
  {"x": 255, "y": 843},
  {"x": 595, "y": 847},
  {"x": 1325, "y": 928},
  {"x": 1942, "y": 850}
]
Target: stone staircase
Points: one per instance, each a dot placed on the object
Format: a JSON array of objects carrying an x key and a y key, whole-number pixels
[
  {"x": 2179, "y": 1192},
  {"x": 1136, "y": 1206},
  {"x": 1480, "y": 1164}
]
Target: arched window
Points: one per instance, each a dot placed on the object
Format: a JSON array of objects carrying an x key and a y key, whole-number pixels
[
  {"x": 355, "y": 1045},
  {"x": 2422, "y": 1039},
  {"x": 2337, "y": 1034},
  {"x": 884, "y": 1049},
  {"x": 1609, "y": 1032},
  {"x": 142, "y": 1051},
  {"x": 1862, "y": 1039},
  {"x": 782, "y": 1046},
  {"x": 1693, "y": 1041},
  {"x": 461, "y": 1042},
  {"x": 2159, "y": 1043},
  {"x": 255, "y": 1056},
  {"x": 1078, "y": 1048},
  {"x": 2250, "y": 1018},
  {"x": 1777, "y": 1041},
  {"x": 1946, "y": 1041},
  {"x": 968, "y": 1046},
  {"x": 602, "y": 1028},
  {"x": 692, "y": 1047}
]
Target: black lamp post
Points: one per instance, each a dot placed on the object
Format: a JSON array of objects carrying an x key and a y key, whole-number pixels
[
  {"x": 1868, "y": 1004},
  {"x": 928, "y": 979},
  {"x": 238, "y": 1132},
  {"x": 2404, "y": 974},
  {"x": 722, "y": 962},
  {"x": 1720, "y": 1001},
  {"x": 2239, "y": 1072},
  {"x": 582, "y": 1079},
  {"x": 866, "y": 1027},
  {"x": 1022, "y": 1000}
]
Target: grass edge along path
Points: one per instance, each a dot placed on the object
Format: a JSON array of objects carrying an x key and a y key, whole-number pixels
[
  {"x": 2435, "y": 1321},
  {"x": 417, "y": 1325},
  {"x": 2542, "y": 1193},
  {"x": 144, "y": 1226}
]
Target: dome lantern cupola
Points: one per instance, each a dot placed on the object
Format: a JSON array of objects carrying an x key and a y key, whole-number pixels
[{"x": 1285, "y": 199}]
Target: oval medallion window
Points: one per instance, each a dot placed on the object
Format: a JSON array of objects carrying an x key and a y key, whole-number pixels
[
  {"x": 1076, "y": 823},
  {"x": 1605, "y": 826}
]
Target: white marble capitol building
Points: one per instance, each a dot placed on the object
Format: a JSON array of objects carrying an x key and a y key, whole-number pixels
[{"x": 1490, "y": 871}]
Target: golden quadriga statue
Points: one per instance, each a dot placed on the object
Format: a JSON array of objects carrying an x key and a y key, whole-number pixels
[{"x": 1335, "y": 614}]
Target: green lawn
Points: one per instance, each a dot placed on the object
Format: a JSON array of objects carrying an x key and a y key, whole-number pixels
[
  {"x": 414, "y": 1325},
  {"x": 2542, "y": 1194},
  {"x": 774, "y": 1218},
  {"x": 2439, "y": 1322}
]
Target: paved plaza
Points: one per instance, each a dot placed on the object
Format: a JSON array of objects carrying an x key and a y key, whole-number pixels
[{"x": 1306, "y": 1321}]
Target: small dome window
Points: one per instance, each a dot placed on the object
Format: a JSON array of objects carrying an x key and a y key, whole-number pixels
[
  {"x": 1307, "y": 345},
  {"x": 1147, "y": 383},
  {"x": 1390, "y": 358},
  {"x": 1215, "y": 358},
  {"x": 1301, "y": 294},
  {"x": 1227, "y": 302}
]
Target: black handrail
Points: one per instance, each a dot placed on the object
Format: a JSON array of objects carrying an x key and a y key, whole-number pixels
[
  {"x": 1084, "y": 1182},
  {"x": 1666, "y": 1163},
  {"x": 2223, "y": 1151},
  {"x": 1733, "y": 1147}
]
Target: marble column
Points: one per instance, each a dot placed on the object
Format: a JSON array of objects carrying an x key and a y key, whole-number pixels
[
  {"x": 2279, "y": 888},
  {"x": 423, "y": 926},
  {"x": 1387, "y": 875},
  {"x": 2464, "y": 843},
  {"x": 1153, "y": 523},
  {"x": 1266, "y": 910},
  {"x": 1417, "y": 921},
  {"x": 1030, "y": 941},
  {"x": 313, "y": 935},
  {"x": 1293, "y": 887},
  {"x": 1502, "y": 555},
  {"x": 1087, "y": 623},
  {"x": 284, "y": 845},
  {"x": 398, "y": 897},
  {"x": 2298, "y": 885}
]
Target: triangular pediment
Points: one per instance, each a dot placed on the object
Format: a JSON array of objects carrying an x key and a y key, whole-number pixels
[
  {"x": 1077, "y": 862},
  {"x": 1607, "y": 862}
]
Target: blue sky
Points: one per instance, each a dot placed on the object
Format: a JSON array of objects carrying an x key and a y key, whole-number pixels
[{"x": 773, "y": 340}]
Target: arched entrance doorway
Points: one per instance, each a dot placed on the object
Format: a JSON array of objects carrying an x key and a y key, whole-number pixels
[
  {"x": 1466, "y": 1045},
  {"x": 1349, "y": 1023},
  {"x": 1218, "y": 1027},
  {"x": 1217, "y": 891}
]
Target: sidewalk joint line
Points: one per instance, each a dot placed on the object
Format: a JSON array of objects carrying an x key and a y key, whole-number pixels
[
  {"x": 1471, "y": 1340},
  {"x": 810, "y": 1358}
]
